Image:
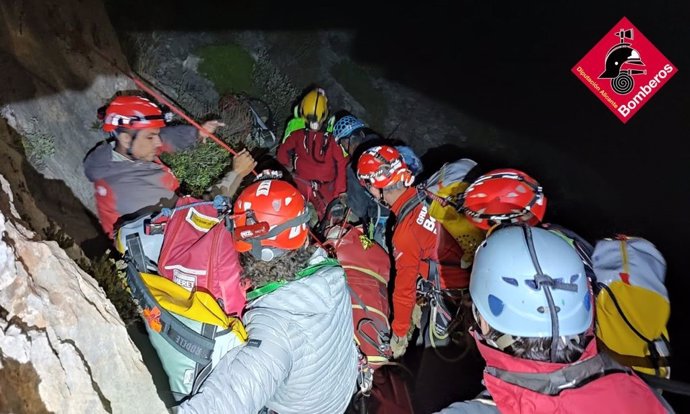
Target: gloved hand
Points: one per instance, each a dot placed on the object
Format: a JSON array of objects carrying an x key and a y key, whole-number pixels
[{"x": 398, "y": 345}]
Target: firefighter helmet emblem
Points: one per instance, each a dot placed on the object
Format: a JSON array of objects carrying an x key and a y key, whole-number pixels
[{"x": 618, "y": 61}]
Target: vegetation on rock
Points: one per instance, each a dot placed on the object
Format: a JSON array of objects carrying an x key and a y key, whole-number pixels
[
  {"x": 110, "y": 273},
  {"x": 275, "y": 88},
  {"x": 228, "y": 66},
  {"x": 38, "y": 148},
  {"x": 199, "y": 167}
]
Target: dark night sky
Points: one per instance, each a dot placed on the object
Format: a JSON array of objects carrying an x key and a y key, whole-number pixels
[{"x": 509, "y": 66}]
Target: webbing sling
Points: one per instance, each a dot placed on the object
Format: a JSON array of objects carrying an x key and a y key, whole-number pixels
[
  {"x": 408, "y": 206},
  {"x": 676, "y": 387}
]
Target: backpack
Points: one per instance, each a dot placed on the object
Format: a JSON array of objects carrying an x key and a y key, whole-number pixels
[
  {"x": 632, "y": 305},
  {"x": 188, "y": 330},
  {"x": 367, "y": 268},
  {"x": 442, "y": 193},
  {"x": 187, "y": 322},
  {"x": 192, "y": 245},
  {"x": 198, "y": 251}
]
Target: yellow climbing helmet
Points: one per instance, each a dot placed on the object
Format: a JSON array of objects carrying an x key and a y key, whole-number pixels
[{"x": 314, "y": 108}]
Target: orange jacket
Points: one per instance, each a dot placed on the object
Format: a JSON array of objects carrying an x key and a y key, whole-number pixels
[{"x": 418, "y": 237}]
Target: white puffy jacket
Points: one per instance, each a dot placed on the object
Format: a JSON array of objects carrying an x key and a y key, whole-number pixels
[{"x": 300, "y": 358}]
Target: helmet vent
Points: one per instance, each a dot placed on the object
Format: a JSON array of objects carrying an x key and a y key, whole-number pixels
[
  {"x": 574, "y": 278},
  {"x": 510, "y": 281},
  {"x": 495, "y": 305},
  {"x": 588, "y": 302},
  {"x": 532, "y": 284}
]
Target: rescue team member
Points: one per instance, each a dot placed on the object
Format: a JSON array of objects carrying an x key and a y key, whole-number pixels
[
  {"x": 422, "y": 248},
  {"x": 301, "y": 356},
  {"x": 315, "y": 159},
  {"x": 533, "y": 309},
  {"x": 129, "y": 178}
]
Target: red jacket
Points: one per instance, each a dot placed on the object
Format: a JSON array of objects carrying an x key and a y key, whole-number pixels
[
  {"x": 615, "y": 392},
  {"x": 314, "y": 160},
  {"x": 419, "y": 237}
]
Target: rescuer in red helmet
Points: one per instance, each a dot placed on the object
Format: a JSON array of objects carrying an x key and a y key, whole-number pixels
[
  {"x": 129, "y": 178},
  {"x": 427, "y": 257}
]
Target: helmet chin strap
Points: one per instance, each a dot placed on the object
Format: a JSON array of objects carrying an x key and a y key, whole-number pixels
[
  {"x": 267, "y": 254},
  {"x": 543, "y": 281},
  {"x": 380, "y": 199},
  {"x": 409, "y": 181},
  {"x": 398, "y": 185}
]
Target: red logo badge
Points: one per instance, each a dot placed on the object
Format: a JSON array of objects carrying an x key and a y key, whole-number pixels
[{"x": 624, "y": 70}]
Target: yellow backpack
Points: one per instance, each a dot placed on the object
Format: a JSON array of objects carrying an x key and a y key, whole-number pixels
[
  {"x": 632, "y": 305},
  {"x": 444, "y": 190}
]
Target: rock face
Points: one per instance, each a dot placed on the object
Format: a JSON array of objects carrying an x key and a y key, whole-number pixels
[
  {"x": 56, "y": 70},
  {"x": 165, "y": 60},
  {"x": 63, "y": 348}
]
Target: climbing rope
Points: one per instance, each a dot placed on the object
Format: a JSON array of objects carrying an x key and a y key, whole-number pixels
[{"x": 141, "y": 84}]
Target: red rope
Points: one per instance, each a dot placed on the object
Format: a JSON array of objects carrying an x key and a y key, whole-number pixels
[
  {"x": 150, "y": 90},
  {"x": 179, "y": 112}
]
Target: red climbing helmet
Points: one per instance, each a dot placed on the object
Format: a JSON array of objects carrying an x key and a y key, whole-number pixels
[
  {"x": 382, "y": 167},
  {"x": 504, "y": 196},
  {"x": 282, "y": 208},
  {"x": 132, "y": 112}
]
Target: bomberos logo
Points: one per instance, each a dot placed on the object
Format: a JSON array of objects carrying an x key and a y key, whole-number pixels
[{"x": 624, "y": 70}]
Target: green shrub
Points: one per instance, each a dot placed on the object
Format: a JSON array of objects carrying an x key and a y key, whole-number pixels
[
  {"x": 38, "y": 149},
  {"x": 198, "y": 168},
  {"x": 228, "y": 66}
]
